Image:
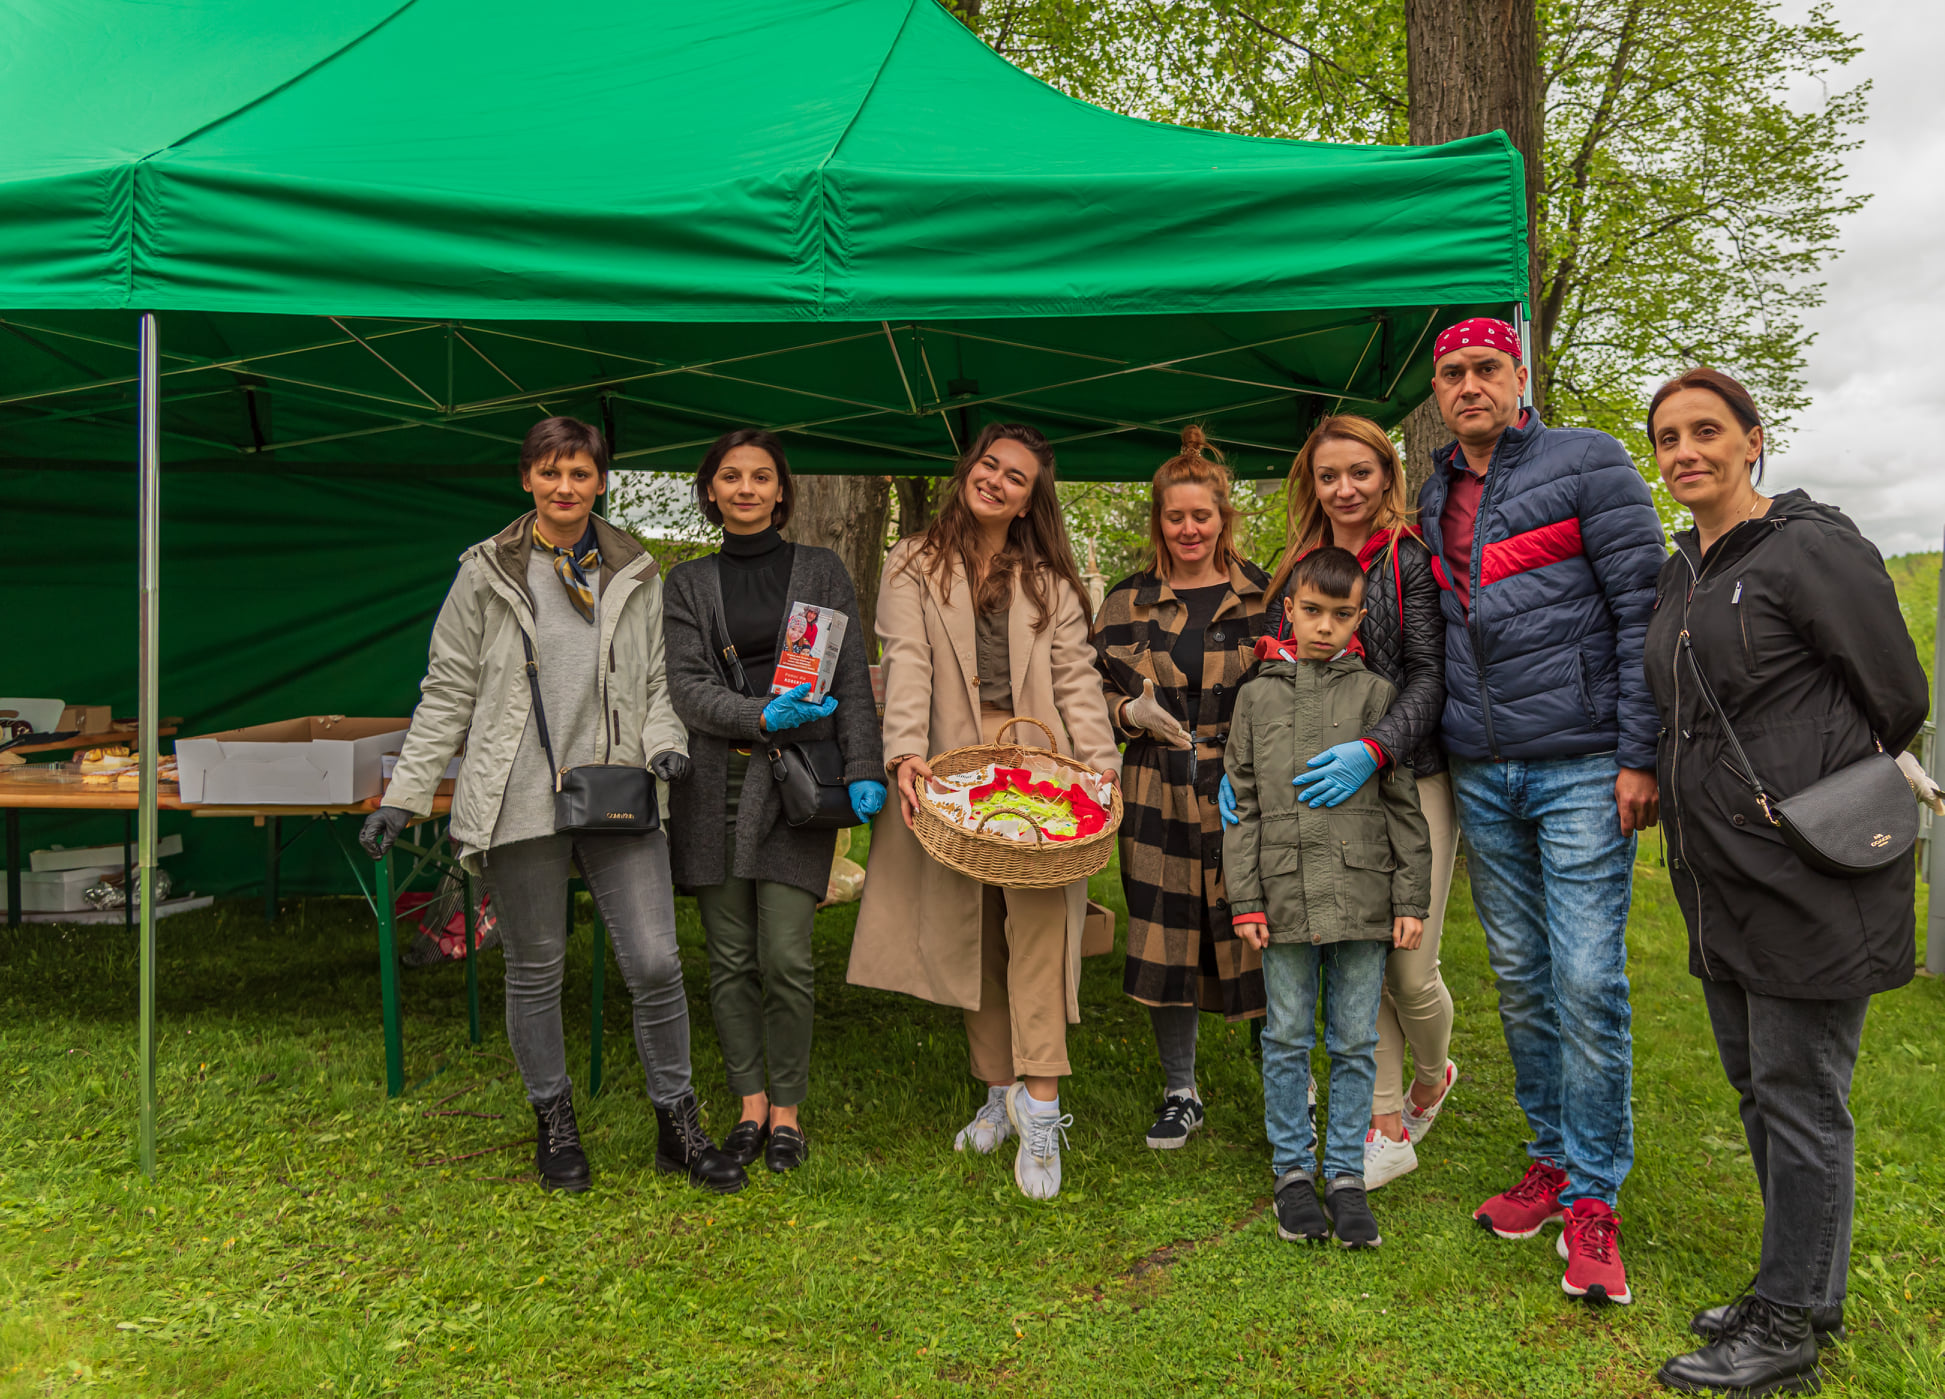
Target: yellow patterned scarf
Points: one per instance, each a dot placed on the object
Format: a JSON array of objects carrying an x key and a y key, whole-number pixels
[{"x": 573, "y": 566}]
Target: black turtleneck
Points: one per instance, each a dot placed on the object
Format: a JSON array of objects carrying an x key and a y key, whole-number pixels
[{"x": 755, "y": 574}]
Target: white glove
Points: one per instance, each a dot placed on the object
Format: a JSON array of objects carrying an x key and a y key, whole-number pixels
[
  {"x": 1145, "y": 712},
  {"x": 1922, "y": 786}
]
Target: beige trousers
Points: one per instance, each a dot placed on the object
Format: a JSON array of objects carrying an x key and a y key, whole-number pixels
[
  {"x": 1020, "y": 1027},
  {"x": 1417, "y": 1009}
]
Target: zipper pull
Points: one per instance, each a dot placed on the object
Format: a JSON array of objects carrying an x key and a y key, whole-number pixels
[{"x": 1738, "y": 593}]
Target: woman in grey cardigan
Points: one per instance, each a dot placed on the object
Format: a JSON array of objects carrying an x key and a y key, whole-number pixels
[{"x": 757, "y": 881}]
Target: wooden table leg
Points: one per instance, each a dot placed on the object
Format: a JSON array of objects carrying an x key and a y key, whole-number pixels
[
  {"x": 13, "y": 867},
  {"x": 388, "y": 976},
  {"x": 472, "y": 966},
  {"x": 273, "y": 852}
]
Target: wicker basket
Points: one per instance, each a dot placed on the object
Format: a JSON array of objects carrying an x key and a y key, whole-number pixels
[{"x": 996, "y": 859}]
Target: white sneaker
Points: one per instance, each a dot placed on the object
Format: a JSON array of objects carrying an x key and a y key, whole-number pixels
[
  {"x": 1386, "y": 1160},
  {"x": 988, "y": 1128},
  {"x": 1417, "y": 1123},
  {"x": 1036, "y": 1169}
]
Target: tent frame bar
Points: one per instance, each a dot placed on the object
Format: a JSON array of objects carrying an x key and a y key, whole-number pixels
[{"x": 148, "y": 556}]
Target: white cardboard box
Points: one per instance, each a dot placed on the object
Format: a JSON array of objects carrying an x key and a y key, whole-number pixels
[
  {"x": 326, "y": 760},
  {"x": 57, "y": 891},
  {"x": 84, "y": 857}
]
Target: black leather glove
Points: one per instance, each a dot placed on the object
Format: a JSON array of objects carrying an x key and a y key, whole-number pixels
[
  {"x": 670, "y": 765},
  {"x": 381, "y": 829}
]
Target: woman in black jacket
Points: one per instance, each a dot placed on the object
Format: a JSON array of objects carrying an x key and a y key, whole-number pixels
[
  {"x": 1788, "y": 615},
  {"x": 1347, "y": 489},
  {"x": 757, "y": 881}
]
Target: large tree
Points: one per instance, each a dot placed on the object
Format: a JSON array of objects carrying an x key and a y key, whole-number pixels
[{"x": 1689, "y": 187}]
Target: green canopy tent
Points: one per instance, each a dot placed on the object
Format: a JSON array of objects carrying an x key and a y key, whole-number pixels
[{"x": 380, "y": 238}]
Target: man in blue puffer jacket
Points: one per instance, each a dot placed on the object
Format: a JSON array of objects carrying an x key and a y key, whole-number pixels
[{"x": 1546, "y": 544}]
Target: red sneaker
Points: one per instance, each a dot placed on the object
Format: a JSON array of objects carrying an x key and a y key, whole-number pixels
[
  {"x": 1591, "y": 1244},
  {"x": 1518, "y": 1213}
]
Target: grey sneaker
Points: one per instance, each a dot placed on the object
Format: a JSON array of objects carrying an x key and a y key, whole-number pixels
[
  {"x": 1036, "y": 1169},
  {"x": 989, "y": 1126}
]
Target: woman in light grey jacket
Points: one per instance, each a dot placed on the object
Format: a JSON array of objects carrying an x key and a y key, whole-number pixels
[
  {"x": 757, "y": 881},
  {"x": 585, "y": 596}
]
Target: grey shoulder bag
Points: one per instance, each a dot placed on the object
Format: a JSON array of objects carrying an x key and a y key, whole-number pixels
[
  {"x": 1857, "y": 821},
  {"x": 611, "y": 797},
  {"x": 809, "y": 772}
]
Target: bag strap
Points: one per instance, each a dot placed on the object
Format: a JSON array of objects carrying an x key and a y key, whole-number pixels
[
  {"x": 1744, "y": 770},
  {"x": 733, "y": 673},
  {"x": 540, "y": 710}
]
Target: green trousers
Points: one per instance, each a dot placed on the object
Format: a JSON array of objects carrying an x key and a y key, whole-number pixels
[{"x": 761, "y": 987}]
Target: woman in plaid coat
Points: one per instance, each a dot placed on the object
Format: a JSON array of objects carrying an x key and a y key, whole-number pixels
[{"x": 1173, "y": 642}]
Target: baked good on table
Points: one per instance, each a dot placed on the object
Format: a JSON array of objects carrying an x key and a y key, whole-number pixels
[{"x": 112, "y": 759}]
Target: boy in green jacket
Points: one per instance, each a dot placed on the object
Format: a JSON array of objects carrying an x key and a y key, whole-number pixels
[{"x": 1324, "y": 892}]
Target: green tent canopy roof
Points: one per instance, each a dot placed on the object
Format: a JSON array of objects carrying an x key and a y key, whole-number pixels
[{"x": 384, "y": 238}]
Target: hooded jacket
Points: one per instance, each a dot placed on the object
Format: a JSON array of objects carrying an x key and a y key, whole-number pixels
[
  {"x": 475, "y": 688},
  {"x": 1546, "y": 662},
  {"x": 1796, "y": 626},
  {"x": 1328, "y": 874}
]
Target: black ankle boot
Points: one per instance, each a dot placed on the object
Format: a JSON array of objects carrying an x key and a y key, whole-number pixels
[
  {"x": 557, "y": 1146},
  {"x": 1826, "y": 1323},
  {"x": 1765, "y": 1349},
  {"x": 681, "y": 1145}
]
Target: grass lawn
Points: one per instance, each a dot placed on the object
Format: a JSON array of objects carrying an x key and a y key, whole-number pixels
[{"x": 307, "y": 1236}]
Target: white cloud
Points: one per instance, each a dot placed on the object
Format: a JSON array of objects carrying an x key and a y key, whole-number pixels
[{"x": 1873, "y": 436}]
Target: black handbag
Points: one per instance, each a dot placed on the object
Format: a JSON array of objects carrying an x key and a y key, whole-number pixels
[
  {"x": 607, "y": 797},
  {"x": 1857, "y": 821},
  {"x": 809, "y": 772}
]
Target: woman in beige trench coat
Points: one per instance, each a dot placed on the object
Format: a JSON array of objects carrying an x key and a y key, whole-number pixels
[{"x": 983, "y": 617}]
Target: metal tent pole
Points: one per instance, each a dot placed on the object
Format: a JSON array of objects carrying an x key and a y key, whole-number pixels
[
  {"x": 149, "y": 517},
  {"x": 1935, "y": 852},
  {"x": 1525, "y": 329}
]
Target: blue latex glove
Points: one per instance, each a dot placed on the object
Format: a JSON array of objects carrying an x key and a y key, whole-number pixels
[
  {"x": 1226, "y": 802},
  {"x": 790, "y": 709},
  {"x": 867, "y": 800},
  {"x": 1335, "y": 773}
]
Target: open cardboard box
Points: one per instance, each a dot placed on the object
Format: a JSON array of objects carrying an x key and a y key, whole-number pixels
[{"x": 325, "y": 760}]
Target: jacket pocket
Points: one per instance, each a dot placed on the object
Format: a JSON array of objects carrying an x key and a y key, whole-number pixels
[
  {"x": 1364, "y": 890},
  {"x": 1585, "y": 688}
]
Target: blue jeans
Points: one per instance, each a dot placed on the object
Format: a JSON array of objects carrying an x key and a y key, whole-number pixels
[
  {"x": 1351, "y": 977},
  {"x": 1552, "y": 877}
]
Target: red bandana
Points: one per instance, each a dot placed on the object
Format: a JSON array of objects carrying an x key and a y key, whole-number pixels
[{"x": 1481, "y": 331}]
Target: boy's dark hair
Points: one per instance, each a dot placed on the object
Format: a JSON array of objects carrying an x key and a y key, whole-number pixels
[
  {"x": 722, "y": 447},
  {"x": 1330, "y": 571},
  {"x": 563, "y": 437}
]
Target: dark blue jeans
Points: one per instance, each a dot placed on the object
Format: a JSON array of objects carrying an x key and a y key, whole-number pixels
[
  {"x": 1552, "y": 877},
  {"x": 1351, "y": 977},
  {"x": 1791, "y": 1062}
]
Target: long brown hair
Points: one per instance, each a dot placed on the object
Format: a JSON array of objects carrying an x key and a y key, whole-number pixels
[
  {"x": 1036, "y": 542},
  {"x": 1197, "y": 464},
  {"x": 1308, "y": 524}
]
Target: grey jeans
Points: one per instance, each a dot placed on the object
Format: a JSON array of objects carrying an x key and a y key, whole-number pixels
[
  {"x": 1791, "y": 1061},
  {"x": 628, "y": 875}
]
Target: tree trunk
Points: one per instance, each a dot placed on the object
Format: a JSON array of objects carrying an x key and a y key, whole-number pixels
[
  {"x": 917, "y": 499},
  {"x": 1473, "y": 66},
  {"x": 847, "y": 514}
]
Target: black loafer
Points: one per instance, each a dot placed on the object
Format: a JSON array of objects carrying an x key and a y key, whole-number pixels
[
  {"x": 787, "y": 1150},
  {"x": 745, "y": 1143}
]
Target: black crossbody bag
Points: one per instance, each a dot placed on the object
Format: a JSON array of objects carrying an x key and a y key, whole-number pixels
[
  {"x": 1855, "y": 822},
  {"x": 809, "y": 773},
  {"x": 610, "y": 797}
]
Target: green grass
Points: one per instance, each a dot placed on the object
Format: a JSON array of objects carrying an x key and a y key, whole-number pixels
[
  {"x": 307, "y": 1236},
  {"x": 1916, "y": 579}
]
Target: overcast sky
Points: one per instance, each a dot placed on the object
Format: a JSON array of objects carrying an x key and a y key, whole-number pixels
[{"x": 1872, "y": 441}]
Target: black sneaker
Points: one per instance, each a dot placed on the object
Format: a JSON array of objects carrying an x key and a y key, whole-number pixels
[
  {"x": 558, "y": 1156},
  {"x": 683, "y": 1148},
  {"x": 1350, "y": 1214},
  {"x": 745, "y": 1141},
  {"x": 1180, "y": 1114},
  {"x": 1300, "y": 1217}
]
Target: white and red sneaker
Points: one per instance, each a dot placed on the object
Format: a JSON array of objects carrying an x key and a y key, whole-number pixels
[
  {"x": 1520, "y": 1212},
  {"x": 1417, "y": 1123},
  {"x": 1591, "y": 1244}
]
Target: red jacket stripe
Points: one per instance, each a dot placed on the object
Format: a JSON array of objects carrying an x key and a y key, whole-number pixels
[{"x": 1536, "y": 548}]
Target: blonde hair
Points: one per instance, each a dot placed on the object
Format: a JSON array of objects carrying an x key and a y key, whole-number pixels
[
  {"x": 1197, "y": 464},
  {"x": 1309, "y": 526}
]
